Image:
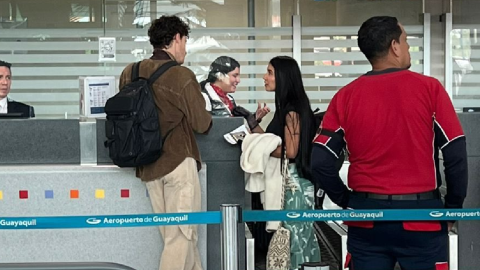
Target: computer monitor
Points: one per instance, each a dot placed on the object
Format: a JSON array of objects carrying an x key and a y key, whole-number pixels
[
  {"x": 471, "y": 109},
  {"x": 12, "y": 116}
]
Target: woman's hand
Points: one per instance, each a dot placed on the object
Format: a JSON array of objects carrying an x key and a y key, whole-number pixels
[
  {"x": 261, "y": 112},
  {"x": 240, "y": 111}
]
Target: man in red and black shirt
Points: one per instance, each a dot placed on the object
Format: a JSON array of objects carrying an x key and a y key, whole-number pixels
[{"x": 393, "y": 123}]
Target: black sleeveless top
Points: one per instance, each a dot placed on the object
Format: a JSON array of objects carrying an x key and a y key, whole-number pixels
[{"x": 275, "y": 126}]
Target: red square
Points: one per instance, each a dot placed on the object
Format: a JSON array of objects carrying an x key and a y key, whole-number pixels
[
  {"x": 125, "y": 193},
  {"x": 441, "y": 266},
  {"x": 23, "y": 194}
]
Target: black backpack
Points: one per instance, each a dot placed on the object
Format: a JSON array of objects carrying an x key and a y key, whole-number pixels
[{"x": 132, "y": 128}]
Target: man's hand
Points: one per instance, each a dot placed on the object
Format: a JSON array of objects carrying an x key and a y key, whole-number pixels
[
  {"x": 261, "y": 111},
  {"x": 450, "y": 225}
]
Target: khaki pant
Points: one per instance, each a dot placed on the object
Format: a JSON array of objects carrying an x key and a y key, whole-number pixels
[{"x": 178, "y": 191}]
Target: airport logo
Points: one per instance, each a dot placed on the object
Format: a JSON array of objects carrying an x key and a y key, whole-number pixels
[
  {"x": 293, "y": 215},
  {"x": 94, "y": 221},
  {"x": 436, "y": 214}
]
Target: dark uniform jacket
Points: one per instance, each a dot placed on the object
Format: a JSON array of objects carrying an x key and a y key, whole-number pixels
[{"x": 18, "y": 107}]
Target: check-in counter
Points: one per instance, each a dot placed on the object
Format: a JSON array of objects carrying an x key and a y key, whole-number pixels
[
  {"x": 469, "y": 231},
  {"x": 60, "y": 167}
]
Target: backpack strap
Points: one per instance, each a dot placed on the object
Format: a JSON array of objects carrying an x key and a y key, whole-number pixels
[
  {"x": 330, "y": 134},
  {"x": 161, "y": 70},
  {"x": 135, "y": 71}
]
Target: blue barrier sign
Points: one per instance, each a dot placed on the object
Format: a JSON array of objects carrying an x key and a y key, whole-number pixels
[
  {"x": 364, "y": 215},
  {"x": 75, "y": 222},
  {"x": 214, "y": 217}
]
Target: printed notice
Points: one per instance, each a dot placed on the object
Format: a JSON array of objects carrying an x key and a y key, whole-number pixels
[
  {"x": 99, "y": 93},
  {"x": 94, "y": 93},
  {"x": 106, "y": 49}
]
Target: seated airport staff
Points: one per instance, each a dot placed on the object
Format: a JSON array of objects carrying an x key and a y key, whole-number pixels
[
  {"x": 7, "y": 105},
  {"x": 393, "y": 123}
]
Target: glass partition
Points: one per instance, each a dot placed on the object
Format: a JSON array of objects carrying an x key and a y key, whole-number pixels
[
  {"x": 52, "y": 43},
  {"x": 331, "y": 59},
  {"x": 465, "y": 54},
  {"x": 330, "y": 56}
]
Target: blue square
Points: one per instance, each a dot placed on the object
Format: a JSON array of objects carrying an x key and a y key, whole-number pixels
[{"x": 48, "y": 194}]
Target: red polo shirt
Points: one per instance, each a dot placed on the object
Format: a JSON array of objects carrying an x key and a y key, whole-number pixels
[{"x": 392, "y": 125}]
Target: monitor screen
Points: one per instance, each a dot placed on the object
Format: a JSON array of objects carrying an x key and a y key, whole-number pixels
[
  {"x": 471, "y": 109},
  {"x": 12, "y": 115}
]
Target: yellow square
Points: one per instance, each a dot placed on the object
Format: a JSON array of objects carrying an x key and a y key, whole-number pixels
[
  {"x": 100, "y": 194},
  {"x": 1, "y": 195}
]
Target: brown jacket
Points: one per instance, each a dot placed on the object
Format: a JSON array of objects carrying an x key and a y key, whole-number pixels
[{"x": 181, "y": 111}]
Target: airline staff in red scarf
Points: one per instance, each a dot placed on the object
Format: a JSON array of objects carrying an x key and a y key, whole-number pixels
[{"x": 223, "y": 78}]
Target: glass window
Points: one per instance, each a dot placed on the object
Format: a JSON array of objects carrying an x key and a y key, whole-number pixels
[
  {"x": 465, "y": 53},
  {"x": 355, "y": 12},
  {"x": 52, "y": 43},
  {"x": 466, "y": 11},
  {"x": 330, "y": 55}
]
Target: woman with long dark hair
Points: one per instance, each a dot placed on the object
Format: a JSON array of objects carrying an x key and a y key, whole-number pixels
[
  {"x": 293, "y": 120},
  {"x": 294, "y": 123}
]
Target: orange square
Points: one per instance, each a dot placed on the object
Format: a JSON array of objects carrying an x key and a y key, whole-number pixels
[{"x": 74, "y": 194}]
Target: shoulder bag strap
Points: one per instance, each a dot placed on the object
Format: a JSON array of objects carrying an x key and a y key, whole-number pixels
[
  {"x": 135, "y": 71},
  {"x": 161, "y": 70}
]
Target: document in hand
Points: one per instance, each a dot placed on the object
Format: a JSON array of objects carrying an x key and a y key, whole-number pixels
[{"x": 237, "y": 134}]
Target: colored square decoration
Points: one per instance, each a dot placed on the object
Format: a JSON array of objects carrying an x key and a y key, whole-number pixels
[
  {"x": 23, "y": 194},
  {"x": 1, "y": 195},
  {"x": 100, "y": 194},
  {"x": 74, "y": 194},
  {"x": 124, "y": 193},
  {"x": 48, "y": 194}
]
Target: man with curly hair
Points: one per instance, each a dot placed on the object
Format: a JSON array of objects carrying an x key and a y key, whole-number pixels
[{"x": 172, "y": 181}]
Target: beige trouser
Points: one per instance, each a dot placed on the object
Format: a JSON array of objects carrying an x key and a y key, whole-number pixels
[{"x": 178, "y": 191}]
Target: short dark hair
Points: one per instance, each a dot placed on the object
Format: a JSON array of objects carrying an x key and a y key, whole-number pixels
[
  {"x": 224, "y": 65},
  {"x": 376, "y": 34},
  {"x": 163, "y": 31},
  {"x": 5, "y": 64}
]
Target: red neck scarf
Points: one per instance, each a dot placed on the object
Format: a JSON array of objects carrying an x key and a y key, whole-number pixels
[{"x": 223, "y": 96}]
